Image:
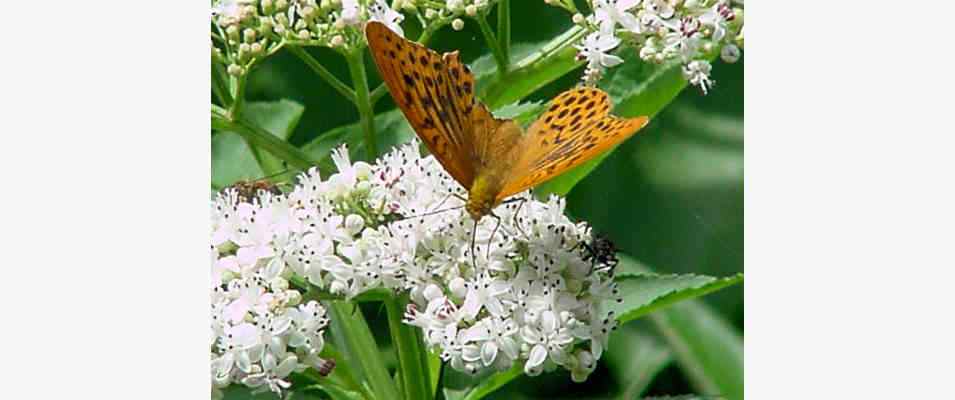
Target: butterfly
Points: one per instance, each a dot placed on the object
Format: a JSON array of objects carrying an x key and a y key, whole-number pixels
[{"x": 490, "y": 157}]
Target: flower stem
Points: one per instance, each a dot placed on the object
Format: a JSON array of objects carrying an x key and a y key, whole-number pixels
[
  {"x": 504, "y": 27},
  {"x": 499, "y": 57},
  {"x": 356, "y": 65},
  {"x": 238, "y": 95},
  {"x": 319, "y": 69},
  {"x": 415, "y": 381},
  {"x": 256, "y": 136},
  {"x": 219, "y": 86}
]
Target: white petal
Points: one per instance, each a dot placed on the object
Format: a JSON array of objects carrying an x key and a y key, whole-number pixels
[
  {"x": 537, "y": 357},
  {"x": 488, "y": 353}
]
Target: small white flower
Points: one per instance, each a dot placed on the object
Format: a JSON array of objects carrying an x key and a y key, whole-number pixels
[
  {"x": 608, "y": 13},
  {"x": 381, "y": 12},
  {"x": 594, "y": 49},
  {"x": 697, "y": 72},
  {"x": 350, "y": 12}
]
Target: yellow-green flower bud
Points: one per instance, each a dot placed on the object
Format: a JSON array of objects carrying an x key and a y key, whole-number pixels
[
  {"x": 457, "y": 24},
  {"x": 337, "y": 41},
  {"x": 248, "y": 35},
  {"x": 268, "y": 7},
  {"x": 235, "y": 70},
  {"x": 256, "y": 48},
  {"x": 303, "y": 34},
  {"x": 281, "y": 4},
  {"x": 471, "y": 10},
  {"x": 232, "y": 32}
]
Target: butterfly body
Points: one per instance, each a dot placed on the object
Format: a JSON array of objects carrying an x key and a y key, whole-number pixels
[{"x": 492, "y": 158}]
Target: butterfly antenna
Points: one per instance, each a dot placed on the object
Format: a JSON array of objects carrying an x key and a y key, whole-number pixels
[
  {"x": 428, "y": 213},
  {"x": 515, "y": 217}
]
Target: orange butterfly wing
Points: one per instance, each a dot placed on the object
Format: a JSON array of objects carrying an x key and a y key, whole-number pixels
[
  {"x": 576, "y": 128},
  {"x": 436, "y": 95}
]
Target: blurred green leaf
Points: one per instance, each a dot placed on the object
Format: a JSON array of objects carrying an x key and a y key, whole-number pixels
[
  {"x": 645, "y": 293},
  {"x": 264, "y": 128},
  {"x": 354, "y": 339},
  {"x": 392, "y": 127},
  {"x": 434, "y": 364},
  {"x": 706, "y": 347},
  {"x": 494, "y": 382},
  {"x": 532, "y": 72},
  {"x": 634, "y": 360},
  {"x": 636, "y": 88},
  {"x": 522, "y": 112}
]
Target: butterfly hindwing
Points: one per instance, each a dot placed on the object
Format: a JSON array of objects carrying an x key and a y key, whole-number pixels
[
  {"x": 435, "y": 93},
  {"x": 575, "y": 128}
]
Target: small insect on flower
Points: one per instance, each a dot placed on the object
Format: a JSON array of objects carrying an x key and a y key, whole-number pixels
[
  {"x": 249, "y": 189},
  {"x": 600, "y": 250}
]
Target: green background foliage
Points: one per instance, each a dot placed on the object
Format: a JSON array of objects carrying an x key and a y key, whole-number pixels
[{"x": 671, "y": 197}]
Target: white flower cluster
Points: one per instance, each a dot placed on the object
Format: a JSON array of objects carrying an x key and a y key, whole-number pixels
[
  {"x": 439, "y": 12},
  {"x": 261, "y": 332},
  {"x": 690, "y": 31},
  {"x": 531, "y": 298},
  {"x": 247, "y": 30}
]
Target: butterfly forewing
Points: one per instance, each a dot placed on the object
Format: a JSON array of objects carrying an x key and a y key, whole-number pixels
[
  {"x": 436, "y": 95},
  {"x": 575, "y": 128}
]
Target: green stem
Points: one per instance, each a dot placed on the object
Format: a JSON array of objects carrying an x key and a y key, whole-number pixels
[
  {"x": 504, "y": 27},
  {"x": 378, "y": 93},
  {"x": 415, "y": 381},
  {"x": 323, "y": 72},
  {"x": 499, "y": 57},
  {"x": 219, "y": 86},
  {"x": 238, "y": 94},
  {"x": 356, "y": 65},
  {"x": 256, "y": 136}
]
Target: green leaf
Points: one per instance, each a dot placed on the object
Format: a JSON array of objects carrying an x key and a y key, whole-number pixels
[
  {"x": 392, "y": 127},
  {"x": 434, "y": 366},
  {"x": 353, "y": 337},
  {"x": 635, "y": 359},
  {"x": 494, "y": 382},
  {"x": 645, "y": 293},
  {"x": 706, "y": 346},
  {"x": 234, "y": 160},
  {"x": 414, "y": 382},
  {"x": 524, "y": 113},
  {"x": 545, "y": 63},
  {"x": 258, "y": 137}
]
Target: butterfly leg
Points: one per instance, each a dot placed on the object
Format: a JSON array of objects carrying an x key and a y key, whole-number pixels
[
  {"x": 493, "y": 232},
  {"x": 516, "y": 220},
  {"x": 473, "y": 238}
]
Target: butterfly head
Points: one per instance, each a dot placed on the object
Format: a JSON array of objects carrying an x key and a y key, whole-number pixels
[{"x": 482, "y": 197}]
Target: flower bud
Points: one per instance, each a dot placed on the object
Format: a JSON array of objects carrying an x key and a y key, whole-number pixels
[
  {"x": 354, "y": 224},
  {"x": 303, "y": 34},
  {"x": 232, "y": 32},
  {"x": 430, "y": 13},
  {"x": 457, "y": 287},
  {"x": 578, "y": 18},
  {"x": 340, "y": 24},
  {"x": 278, "y": 284},
  {"x": 268, "y": 7},
  {"x": 235, "y": 70},
  {"x": 730, "y": 53},
  {"x": 248, "y": 35},
  {"x": 337, "y": 41},
  {"x": 294, "y": 297},
  {"x": 256, "y": 49},
  {"x": 457, "y": 24},
  {"x": 471, "y": 10},
  {"x": 281, "y": 4}
]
